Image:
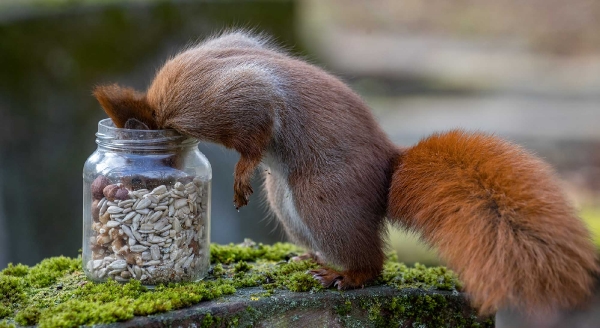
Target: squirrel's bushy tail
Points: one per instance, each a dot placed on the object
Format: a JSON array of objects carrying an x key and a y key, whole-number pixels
[{"x": 497, "y": 217}]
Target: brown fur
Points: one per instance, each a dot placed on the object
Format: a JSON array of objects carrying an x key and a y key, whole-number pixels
[
  {"x": 121, "y": 104},
  {"x": 494, "y": 212},
  {"x": 497, "y": 216}
]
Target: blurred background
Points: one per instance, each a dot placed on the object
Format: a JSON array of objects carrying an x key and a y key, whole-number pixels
[{"x": 526, "y": 70}]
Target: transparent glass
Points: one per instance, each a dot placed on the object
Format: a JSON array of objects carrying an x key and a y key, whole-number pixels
[{"x": 146, "y": 207}]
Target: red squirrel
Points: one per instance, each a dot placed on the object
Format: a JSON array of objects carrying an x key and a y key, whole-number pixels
[{"x": 494, "y": 212}]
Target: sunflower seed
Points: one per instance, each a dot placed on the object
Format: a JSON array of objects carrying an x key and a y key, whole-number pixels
[
  {"x": 126, "y": 203},
  {"x": 159, "y": 190},
  {"x": 144, "y": 203},
  {"x": 155, "y": 239},
  {"x": 176, "y": 225},
  {"x": 165, "y": 229},
  {"x": 143, "y": 211},
  {"x": 179, "y": 203},
  {"x": 114, "y": 210},
  {"x": 138, "y": 248},
  {"x": 160, "y": 224},
  {"x": 155, "y": 252},
  {"x": 179, "y": 186},
  {"x": 117, "y": 264},
  {"x": 112, "y": 224},
  {"x": 130, "y": 215},
  {"x": 161, "y": 208},
  {"x": 155, "y": 216}
]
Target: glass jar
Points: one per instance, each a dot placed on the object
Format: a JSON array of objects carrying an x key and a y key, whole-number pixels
[{"x": 146, "y": 207}]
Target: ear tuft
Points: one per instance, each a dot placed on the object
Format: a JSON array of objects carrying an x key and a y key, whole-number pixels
[{"x": 121, "y": 104}]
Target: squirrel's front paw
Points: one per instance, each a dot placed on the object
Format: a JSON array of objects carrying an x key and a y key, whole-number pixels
[{"x": 241, "y": 194}]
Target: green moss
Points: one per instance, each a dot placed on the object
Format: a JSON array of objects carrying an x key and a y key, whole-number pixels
[
  {"x": 81, "y": 312},
  {"x": 28, "y": 316},
  {"x": 18, "y": 270},
  {"x": 423, "y": 310},
  {"x": 12, "y": 290},
  {"x": 375, "y": 315},
  {"x": 217, "y": 270},
  {"x": 56, "y": 293},
  {"x": 207, "y": 321},
  {"x": 242, "y": 266},
  {"x": 302, "y": 282},
  {"x": 227, "y": 254},
  {"x": 6, "y": 324},
  {"x": 5, "y": 311},
  {"x": 49, "y": 270},
  {"x": 400, "y": 276},
  {"x": 344, "y": 309},
  {"x": 233, "y": 322}
]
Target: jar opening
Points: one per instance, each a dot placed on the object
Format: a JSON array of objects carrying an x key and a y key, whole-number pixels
[{"x": 110, "y": 136}]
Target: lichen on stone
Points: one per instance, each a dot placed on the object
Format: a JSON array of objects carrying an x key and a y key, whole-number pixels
[{"x": 56, "y": 293}]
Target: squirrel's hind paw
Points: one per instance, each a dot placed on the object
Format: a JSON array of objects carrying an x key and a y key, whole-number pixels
[
  {"x": 327, "y": 277},
  {"x": 341, "y": 280}
]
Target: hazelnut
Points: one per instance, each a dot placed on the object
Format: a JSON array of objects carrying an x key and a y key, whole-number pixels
[
  {"x": 110, "y": 191},
  {"x": 122, "y": 194},
  {"x": 98, "y": 186}
]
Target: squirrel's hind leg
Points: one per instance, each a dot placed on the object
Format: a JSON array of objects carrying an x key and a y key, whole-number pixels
[{"x": 281, "y": 202}]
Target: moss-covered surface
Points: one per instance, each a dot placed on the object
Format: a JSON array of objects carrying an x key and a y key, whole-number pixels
[{"x": 56, "y": 293}]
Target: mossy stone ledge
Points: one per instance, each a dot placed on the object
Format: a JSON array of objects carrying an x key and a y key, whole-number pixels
[{"x": 248, "y": 285}]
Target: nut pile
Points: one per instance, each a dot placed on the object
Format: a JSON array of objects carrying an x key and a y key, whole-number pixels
[{"x": 155, "y": 236}]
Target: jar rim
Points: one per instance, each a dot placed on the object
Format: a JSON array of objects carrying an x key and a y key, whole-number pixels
[{"x": 113, "y": 137}]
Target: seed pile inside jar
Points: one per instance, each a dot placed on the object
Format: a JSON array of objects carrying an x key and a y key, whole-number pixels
[{"x": 155, "y": 236}]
